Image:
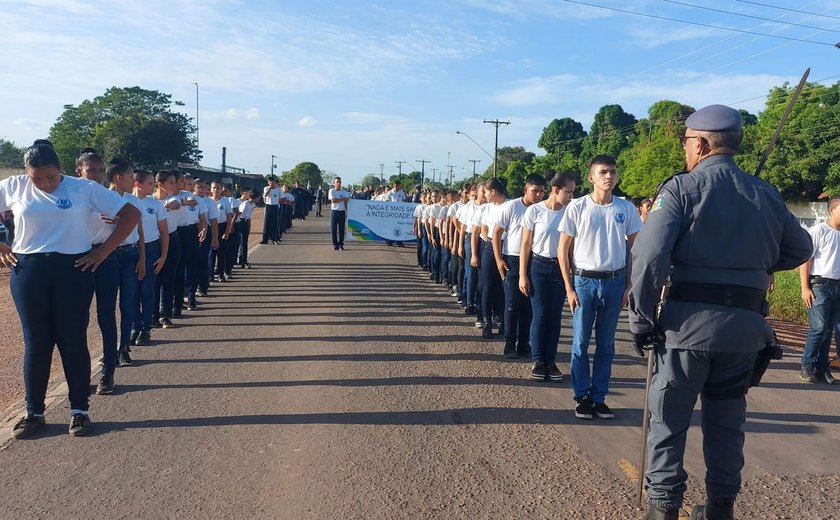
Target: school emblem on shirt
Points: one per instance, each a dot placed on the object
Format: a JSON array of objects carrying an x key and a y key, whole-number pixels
[
  {"x": 150, "y": 211},
  {"x": 64, "y": 204},
  {"x": 192, "y": 208},
  {"x": 619, "y": 217}
]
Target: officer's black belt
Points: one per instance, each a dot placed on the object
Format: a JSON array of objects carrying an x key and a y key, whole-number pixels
[
  {"x": 544, "y": 259},
  {"x": 740, "y": 297},
  {"x": 823, "y": 280},
  {"x": 600, "y": 275}
]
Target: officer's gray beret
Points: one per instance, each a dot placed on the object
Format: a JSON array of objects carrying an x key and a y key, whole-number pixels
[{"x": 715, "y": 118}]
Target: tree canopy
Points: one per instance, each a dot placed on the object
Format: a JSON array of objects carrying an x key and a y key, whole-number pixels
[
  {"x": 132, "y": 123},
  {"x": 305, "y": 173},
  {"x": 10, "y": 155}
]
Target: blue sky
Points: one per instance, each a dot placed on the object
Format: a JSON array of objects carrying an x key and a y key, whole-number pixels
[{"x": 349, "y": 85}]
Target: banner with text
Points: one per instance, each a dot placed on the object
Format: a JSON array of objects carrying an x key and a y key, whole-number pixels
[{"x": 381, "y": 221}]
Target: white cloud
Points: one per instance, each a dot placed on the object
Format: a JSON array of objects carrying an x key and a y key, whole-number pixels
[
  {"x": 307, "y": 121},
  {"x": 536, "y": 91},
  {"x": 232, "y": 114}
]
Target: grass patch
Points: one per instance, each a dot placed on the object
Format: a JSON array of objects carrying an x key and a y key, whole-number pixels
[{"x": 786, "y": 300}]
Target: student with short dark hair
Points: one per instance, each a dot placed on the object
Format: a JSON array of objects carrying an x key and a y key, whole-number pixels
[
  {"x": 597, "y": 232},
  {"x": 52, "y": 285},
  {"x": 167, "y": 194},
  {"x": 339, "y": 199},
  {"x": 492, "y": 294},
  {"x": 507, "y": 245}
]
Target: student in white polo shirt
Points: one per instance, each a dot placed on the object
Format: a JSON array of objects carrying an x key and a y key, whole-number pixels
[
  {"x": 52, "y": 284},
  {"x": 167, "y": 194},
  {"x": 156, "y": 236},
  {"x": 418, "y": 233},
  {"x": 465, "y": 249},
  {"x": 478, "y": 243},
  {"x": 492, "y": 294},
  {"x": 539, "y": 274},
  {"x": 271, "y": 219},
  {"x": 507, "y": 245},
  {"x": 208, "y": 237},
  {"x": 339, "y": 198},
  {"x": 189, "y": 226},
  {"x": 597, "y": 231},
  {"x": 224, "y": 226},
  {"x": 246, "y": 212}
]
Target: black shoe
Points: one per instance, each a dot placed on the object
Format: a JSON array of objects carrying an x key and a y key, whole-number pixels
[
  {"x": 247, "y": 266},
  {"x": 400, "y": 244},
  {"x": 106, "y": 384},
  {"x": 602, "y": 411},
  {"x": 524, "y": 350},
  {"x": 192, "y": 307},
  {"x": 714, "y": 510},
  {"x": 487, "y": 332},
  {"x": 807, "y": 374},
  {"x": 538, "y": 371},
  {"x": 166, "y": 323},
  {"x": 510, "y": 350},
  {"x": 660, "y": 513},
  {"x": 144, "y": 339},
  {"x": 458, "y": 299},
  {"x": 202, "y": 292},
  {"x": 263, "y": 241},
  {"x": 135, "y": 335},
  {"x": 79, "y": 424},
  {"x": 176, "y": 313},
  {"x": 479, "y": 323},
  {"x": 123, "y": 359},
  {"x": 28, "y": 426},
  {"x": 554, "y": 373},
  {"x": 828, "y": 377},
  {"x": 156, "y": 322},
  {"x": 470, "y": 310},
  {"x": 584, "y": 409},
  {"x": 341, "y": 248}
]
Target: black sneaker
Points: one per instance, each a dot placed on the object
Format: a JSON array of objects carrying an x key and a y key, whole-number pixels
[
  {"x": 828, "y": 377},
  {"x": 584, "y": 409},
  {"x": 79, "y": 424},
  {"x": 807, "y": 374},
  {"x": 135, "y": 335},
  {"x": 106, "y": 384},
  {"x": 166, "y": 323},
  {"x": 28, "y": 426},
  {"x": 192, "y": 307},
  {"x": 602, "y": 411},
  {"x": 202, "y": 292},
  {"x": 123, "y": 359},
  {"x": 479, "y": 323},
  {"x": 470, "y": 310},
  {"x": 156, "y": 323},
  {"x": 263, "y": 241},
  {"x": 247, "y": 266},
  {"x": 538, "y": 371},
  {"x": 144, "y": 339},
  {"x": 510, "y": 350},
  {"x": 487, "y": 332},
  {"x": 554, "y": 373},
  {"x": 524, "y": 350}
]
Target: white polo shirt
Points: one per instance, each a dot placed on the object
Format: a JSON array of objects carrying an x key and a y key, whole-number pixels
[
  {"x": 152, "y": 212},
  {"x": 338, "y": 194},
  {"x": 55, "y": 222},
  {"x": 395, "y": 196},
  {"x": 271, "y": 196},
  {"x": 510, "y": 219},
  {"x": 134, "y": 236},
  {"x": 826, "y": 251},
  {"x": 246, "y": 210},
  {"x": 418, "y": 211},
  {"x": 189, "y": 214},
  {"x": 544, "y": 224},
  {"x": 172, "y": 215},
  {"x": 491, "y": 216},
  {"x": 600, "y": 232}
]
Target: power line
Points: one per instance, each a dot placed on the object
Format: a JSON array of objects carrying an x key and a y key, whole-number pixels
[
  {"x": 733, "y": 13},
  {"x": 787, "y": 9},
  {"x": 700, "y": 24}
]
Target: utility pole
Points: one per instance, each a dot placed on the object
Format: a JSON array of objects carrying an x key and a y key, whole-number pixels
[
  {"x": 399, "y": 165},
  {"x": 197, "y": 141},
  {"x": 422, "y": 172},
  {"x": 434, "y": 170},
  {"x": 382, "y": 173},
  {"x": 451, "y": 176},
  {"x": 474, "y": 161},
  {"x": 496, "y": 123}
]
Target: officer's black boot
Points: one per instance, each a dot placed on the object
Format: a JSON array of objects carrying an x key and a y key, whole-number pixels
[
  {"x": 656, "y": 512},
  {"x": 715, "y": 510}
]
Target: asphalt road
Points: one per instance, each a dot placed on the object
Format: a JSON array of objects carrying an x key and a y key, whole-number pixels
[{"x": 326, "y": 384}]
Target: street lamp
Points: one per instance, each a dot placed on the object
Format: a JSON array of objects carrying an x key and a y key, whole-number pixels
[
  {"x": 473, "y": 140},
  {"x": 197, "y": 140},
  {"x": 272, "y": 164}
]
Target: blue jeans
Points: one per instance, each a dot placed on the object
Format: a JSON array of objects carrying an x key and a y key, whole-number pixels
[
  {"x": 600, "y": 305},
  {"x": 517, "y": 306},
  {"x": 338, "y": 219},
  {"x": 436, "y": 255},
  {"x": 492, "y": 294},
  {"x": 52, "y": 297},
  {"x": 468, "y": 288},
  {"x": 445, "y": 259},
  {"x": 244, "y": 235},
  {"x": 127, "y": 259},
  {"x": 233, "y": 247},
  {"x": 107, "y": 284},
  {"x": 165, "y": 285},
  {"x": 145, "y": 308},
  {"x": 548, "y": 294},
  {"x": 424, "y": 239},
  {"x": 823, "y": 316},
  {"x": 186, "y": 279},
  {"x": 203, "y": 264}
]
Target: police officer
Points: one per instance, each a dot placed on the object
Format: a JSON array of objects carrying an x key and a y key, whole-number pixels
[{"x": 711, "y": 324}]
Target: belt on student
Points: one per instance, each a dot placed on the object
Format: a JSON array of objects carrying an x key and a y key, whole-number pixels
[
  {"x": 153, "y": 242},
  {"x": 738, "y": 296},
  {"x": 189, "y": 226},
  {"x": 544, "y": 259},
  {"x": 600, "y": 275},
  {"x": 823, "y": 280},
  {"x": 125, "y": 247}
]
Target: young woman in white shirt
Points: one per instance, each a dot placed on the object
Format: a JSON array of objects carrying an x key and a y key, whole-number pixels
[
  {"x": 540, "y": 277},
  {"x": 52, "y": 284},
  {"x": 167, "y": 194},
  {"x": 156, "y": 236},
  {"x": 246, "y": 213},
  {"x": 492, "y": 295}
]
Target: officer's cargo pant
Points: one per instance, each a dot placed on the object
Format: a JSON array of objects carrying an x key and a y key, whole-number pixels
[{"x": 679, "y": 377}]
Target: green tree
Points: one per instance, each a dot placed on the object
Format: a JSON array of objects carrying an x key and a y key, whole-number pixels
[
  {"x": 133, "y": 123},
  {"x": 610, "y": 134},
  {"x": 305, "y": 173},
  {"x": 508, "y": 154},
  {"x": 10, "y": 155},
  {"x": 514, "y": 176},
  {"x": 562, "y": 136},
  {"x": 371, "y": 179}
]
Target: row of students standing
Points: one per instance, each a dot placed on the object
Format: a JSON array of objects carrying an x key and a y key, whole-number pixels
[
  {"x": 279, "y": 211},
  {"x": 523, "y": 259},
  {"x": 146, "y": 244}
]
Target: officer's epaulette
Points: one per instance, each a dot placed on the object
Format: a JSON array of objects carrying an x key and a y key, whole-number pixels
[{"x": 657, "y": 199}]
